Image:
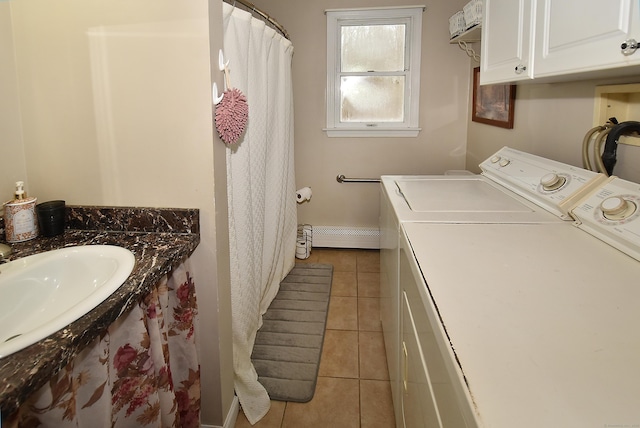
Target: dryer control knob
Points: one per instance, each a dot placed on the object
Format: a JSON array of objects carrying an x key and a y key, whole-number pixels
[
  {"x": 552, "y": 181},
  {"x": 504, "y": 162},
  {"x": 616, "y": 207}
]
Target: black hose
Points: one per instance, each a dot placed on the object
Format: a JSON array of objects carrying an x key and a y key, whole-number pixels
[{"x": 611, "y": 146}]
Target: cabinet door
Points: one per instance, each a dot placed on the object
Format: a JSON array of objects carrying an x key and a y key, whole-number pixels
[
  {"x": 418, "y": 403},
  {"x": 584, "y": 35},
  {"x": 506, "y": 39}
]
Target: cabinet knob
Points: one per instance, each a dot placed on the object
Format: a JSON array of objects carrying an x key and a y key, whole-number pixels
[
  {"x": 629, "y": 46},
  {"x": 520, "y": 68}
]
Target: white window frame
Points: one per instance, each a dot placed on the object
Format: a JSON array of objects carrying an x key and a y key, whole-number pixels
[{"x": 336, "y": 18}]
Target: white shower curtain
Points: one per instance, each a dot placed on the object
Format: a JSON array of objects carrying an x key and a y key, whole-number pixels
[{"x": 261, "y": 187}]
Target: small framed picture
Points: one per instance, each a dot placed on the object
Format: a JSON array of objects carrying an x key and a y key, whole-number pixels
[{"x": 493, "y": 104}]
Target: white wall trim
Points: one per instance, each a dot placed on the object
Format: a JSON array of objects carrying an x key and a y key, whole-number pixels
[
  {"x": 377, "y": 132},
  {"x": 230, "y": 420},
  {"x": 346, "y": 237}
]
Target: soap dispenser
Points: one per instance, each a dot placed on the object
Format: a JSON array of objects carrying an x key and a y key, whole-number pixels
[{"x": 20, "y": 220}]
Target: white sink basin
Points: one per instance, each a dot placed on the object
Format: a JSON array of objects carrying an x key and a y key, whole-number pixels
[{"x": 44, "y": 293}]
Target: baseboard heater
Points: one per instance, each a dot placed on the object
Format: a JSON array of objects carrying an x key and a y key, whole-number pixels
[{"x": 346, "y": 237}]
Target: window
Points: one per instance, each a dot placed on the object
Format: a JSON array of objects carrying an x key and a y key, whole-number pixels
[{"x": 373, "y": 72}]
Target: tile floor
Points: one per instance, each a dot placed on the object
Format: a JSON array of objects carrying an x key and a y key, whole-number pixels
[{"x": 353, "y": 380}]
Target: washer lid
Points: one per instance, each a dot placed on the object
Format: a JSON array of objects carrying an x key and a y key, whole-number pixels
[
  {"x": 467, "y": 194},
  {"x": 458, "y": 199}
]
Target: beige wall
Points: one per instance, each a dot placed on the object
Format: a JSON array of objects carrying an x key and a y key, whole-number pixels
[
  {"x": 12, "y": 166},
  {"x": 116, "y": 110},
  {"x": 441, "y": 144},
  {"x": 550, "y": 120}
]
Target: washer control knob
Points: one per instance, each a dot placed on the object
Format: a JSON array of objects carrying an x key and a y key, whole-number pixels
[
  {"x": 494, "y": 159},
  {"x": 552, "y": 181},
  {"x": 504, "y": 162}
]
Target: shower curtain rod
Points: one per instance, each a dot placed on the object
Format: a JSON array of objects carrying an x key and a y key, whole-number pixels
[{"x": 253, "y": 8}]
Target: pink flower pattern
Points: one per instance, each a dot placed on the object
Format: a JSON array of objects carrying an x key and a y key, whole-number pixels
[
  {"x": 125, "y": 378},
  {"x": 125, "y": 356}
]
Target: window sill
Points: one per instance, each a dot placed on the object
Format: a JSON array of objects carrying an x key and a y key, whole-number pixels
[{"x": 378, "y": 132}]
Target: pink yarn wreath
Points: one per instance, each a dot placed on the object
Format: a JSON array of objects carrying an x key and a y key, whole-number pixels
[{"x": 231, "y": 116}]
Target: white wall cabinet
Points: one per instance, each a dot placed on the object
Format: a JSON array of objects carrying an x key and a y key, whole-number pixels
[
  {"x": 507, "y": 35},
  {"x": 557, "y": 40},
  {"x": 573, "y": 37}
]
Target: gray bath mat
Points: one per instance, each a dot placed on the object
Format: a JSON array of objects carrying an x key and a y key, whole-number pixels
[{"x": 287, "y": 349}]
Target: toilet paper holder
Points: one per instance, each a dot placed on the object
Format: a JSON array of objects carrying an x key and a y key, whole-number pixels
[{"x": 303, "y": 195}]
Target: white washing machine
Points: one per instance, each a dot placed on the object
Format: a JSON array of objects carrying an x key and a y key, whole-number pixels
[
  {"x": 527, "y": 325},
  {"x": 514, "y": 187}
]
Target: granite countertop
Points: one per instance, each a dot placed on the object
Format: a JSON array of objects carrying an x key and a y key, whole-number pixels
[{"x": 160, "y": 239}]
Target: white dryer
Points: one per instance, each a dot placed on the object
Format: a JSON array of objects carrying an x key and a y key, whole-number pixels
[{"x": 528, "y": 325}]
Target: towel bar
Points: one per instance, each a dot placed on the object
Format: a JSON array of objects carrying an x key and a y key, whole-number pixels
[{"x": 342, "y": 179}]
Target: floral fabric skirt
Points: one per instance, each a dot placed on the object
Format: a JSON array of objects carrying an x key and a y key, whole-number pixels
[{"x": 142, "y": 372}]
